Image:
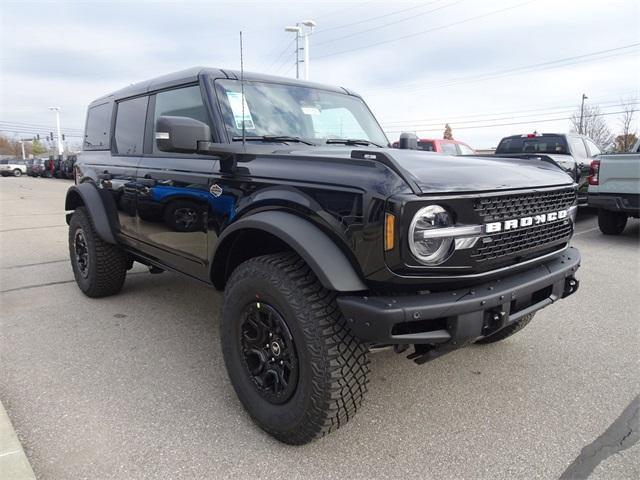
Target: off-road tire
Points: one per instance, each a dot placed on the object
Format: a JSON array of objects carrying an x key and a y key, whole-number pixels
[
  {"x": 333, "y": 364},
  {"x": 507, "y": 331},
  {"x": 17, "y": 172},
  {"x": 107, "y": 266},
  {"x": 611, "y": 223}
]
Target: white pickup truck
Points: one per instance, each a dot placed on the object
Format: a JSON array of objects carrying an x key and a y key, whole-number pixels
[
  {"x": 14, "y": 169},
  {"x": 614, "y": 189}
]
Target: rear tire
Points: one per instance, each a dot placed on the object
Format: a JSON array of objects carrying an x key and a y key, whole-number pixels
[
  {"x": 507, "y": 331},
  {"x": 325, "y": 366},
  {"x": 17, "y": 172},
  {"x": 611, "y": 223},
  {"x": 99, "y": 267}
]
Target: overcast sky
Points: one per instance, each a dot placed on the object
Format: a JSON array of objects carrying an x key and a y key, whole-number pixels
[{"x": 471, "y": 63}]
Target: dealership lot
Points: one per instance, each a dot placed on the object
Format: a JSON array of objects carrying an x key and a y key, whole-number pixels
[{"x": 134, "y": 385}]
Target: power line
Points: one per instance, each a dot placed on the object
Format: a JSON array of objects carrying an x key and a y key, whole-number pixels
[
  {"x": 546, "y": 120},
  {"x": 439, "y": 124},
  {"x": 483, "y": 117},
  {"x": 430, "y": 30},
  {"x": 525, "y": 69},
  {"x": 386, "y": 15},
  {"x": 39, "y": 126},
  {"x": 332, "y": 40}
]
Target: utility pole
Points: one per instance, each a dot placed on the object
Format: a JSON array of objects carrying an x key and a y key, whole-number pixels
[
  {"x": 24, "y": 156},
  {"x": 59, "y": 139},
  {"x": 584, "y": 97},
  {"x": 301, "y": 32}
]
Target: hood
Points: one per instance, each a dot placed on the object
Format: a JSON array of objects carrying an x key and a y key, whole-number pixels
[{"x": 437, "y": 173}]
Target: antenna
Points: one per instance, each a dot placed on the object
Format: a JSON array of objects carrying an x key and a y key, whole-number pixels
[{"x": 242, "y": 89}]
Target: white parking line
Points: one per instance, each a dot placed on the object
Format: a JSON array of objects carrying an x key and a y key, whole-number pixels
[{"x": 586, "y": 231}]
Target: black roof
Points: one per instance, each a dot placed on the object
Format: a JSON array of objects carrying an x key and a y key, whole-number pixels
[{"x": 191, "y": 75}]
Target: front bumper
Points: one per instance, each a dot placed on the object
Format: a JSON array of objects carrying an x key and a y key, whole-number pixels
[{"x": 458, "y": 317}]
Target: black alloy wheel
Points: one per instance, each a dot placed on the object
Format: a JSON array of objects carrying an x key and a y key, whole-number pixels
[
  {"x": 269, "y": 352},
  {"x": 81, "y": 252}
]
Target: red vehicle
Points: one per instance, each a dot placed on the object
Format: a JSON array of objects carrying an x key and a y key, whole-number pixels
[{"x": 440, "y": 145}]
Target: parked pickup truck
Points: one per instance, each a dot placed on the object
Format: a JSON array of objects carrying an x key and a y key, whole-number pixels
[
  {"x": 327, "y": 243},
  {"x": 571, "y": 151},
  {"x": 12, "y": 169},
  {"x": 614, "y": 189}
]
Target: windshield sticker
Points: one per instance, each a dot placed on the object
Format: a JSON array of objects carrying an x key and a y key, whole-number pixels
[
  {"x": 237, "y": 101},
  {"x": 311, "y": 111}
]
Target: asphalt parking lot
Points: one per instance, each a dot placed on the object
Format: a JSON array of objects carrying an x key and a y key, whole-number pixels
[{"x": 134, "y": 386}]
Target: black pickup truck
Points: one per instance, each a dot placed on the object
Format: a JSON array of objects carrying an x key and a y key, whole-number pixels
[{"x": 326, "y": 242}]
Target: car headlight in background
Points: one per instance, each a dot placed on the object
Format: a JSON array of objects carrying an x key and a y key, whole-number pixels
[{"x": 425, "y": 241}]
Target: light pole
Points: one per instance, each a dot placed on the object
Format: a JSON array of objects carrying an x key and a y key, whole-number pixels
[
  {"x": 57, "y": 110},
  {"x": 584, "y": 97},
  {"x": 305, "y": 33},
  {"x": 24, "y": 157},
  {"x": 297, "y": 31}
]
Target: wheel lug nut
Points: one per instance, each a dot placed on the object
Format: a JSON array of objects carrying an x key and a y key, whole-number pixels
[
  {"x": 270, "y": 334},
  {"x": 281, "y": 362},
  {"x": 273, "y": 359}
]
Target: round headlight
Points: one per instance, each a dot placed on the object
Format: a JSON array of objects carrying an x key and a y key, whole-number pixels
[{"x": 427, "y": 248}]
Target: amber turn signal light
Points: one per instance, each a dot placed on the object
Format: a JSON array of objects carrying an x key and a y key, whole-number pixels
[{"x": 389, "y": 232}]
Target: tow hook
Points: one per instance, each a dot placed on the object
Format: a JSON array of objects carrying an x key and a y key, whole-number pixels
[{"x": 571, "y": 285}]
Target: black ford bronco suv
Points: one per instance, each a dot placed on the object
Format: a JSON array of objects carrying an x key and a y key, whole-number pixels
[{"x": 326, "y": 242}]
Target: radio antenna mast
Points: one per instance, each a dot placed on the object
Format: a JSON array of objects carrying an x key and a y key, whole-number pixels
[{"x": 242, "y": 90}]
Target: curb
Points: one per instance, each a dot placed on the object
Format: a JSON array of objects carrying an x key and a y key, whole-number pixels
[{"x": 13, "y": 461}]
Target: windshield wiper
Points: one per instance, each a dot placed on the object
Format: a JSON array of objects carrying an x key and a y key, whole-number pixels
[
  {"x": 272, "y": 138},
  {"x": 351, "y": 141}
]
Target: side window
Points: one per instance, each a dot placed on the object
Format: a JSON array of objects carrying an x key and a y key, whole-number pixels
[
  {"x": 130, "y": 121},
  {"x": 449, "y": 148},
  {"x": 182, "y": 102},
  {"x": 426, "y": 146},
  {"x": 577, "y": 147},
  {"x": 97, "y": 131},
  {"x": 593, "y": 148},
  {"x": 465, "y": 150}
]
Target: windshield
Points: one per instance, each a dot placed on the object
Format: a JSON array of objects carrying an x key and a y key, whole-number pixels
[
  {"x": 541, "y": 144},
  {"x": 310, "y": 114}
]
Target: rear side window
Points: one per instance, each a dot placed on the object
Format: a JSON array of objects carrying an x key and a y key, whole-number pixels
[
  {"x": 426, "y": 146},
  {"x": 449, "y": 148},
  {"x": 577, "y": 147},
  {"x": 130, "y": 121},
  {"x": 97, "y": 131},
  {"x": 182, "y": 102},
  {"x": 465, "y": 150},
  {"x": 541, "y": 144}
]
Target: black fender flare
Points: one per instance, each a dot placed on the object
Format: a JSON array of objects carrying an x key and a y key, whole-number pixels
[
  {"x": 324, "y": 257},
  {"x": 100, "y": 205}
]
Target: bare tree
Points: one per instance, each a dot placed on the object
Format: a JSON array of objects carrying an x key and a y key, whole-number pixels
[
  {"x": 628, "y": 137},
  {"x": 594, "y": 125}
]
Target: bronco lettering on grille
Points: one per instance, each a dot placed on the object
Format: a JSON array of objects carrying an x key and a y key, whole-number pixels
[{"x": 494, "y": 227}]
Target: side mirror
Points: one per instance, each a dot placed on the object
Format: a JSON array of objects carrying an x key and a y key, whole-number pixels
[
  {"x": 180, "y": 134},
  {"x": 408, "y": 141}
]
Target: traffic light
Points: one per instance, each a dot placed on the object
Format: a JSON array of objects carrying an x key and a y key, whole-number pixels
[
  {"x": 38, "y": 136},
  {"x": 51, "y": 136},
  {"x": 63, "y": 137}
]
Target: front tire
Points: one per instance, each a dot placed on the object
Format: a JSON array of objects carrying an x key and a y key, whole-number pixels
[
  {"x": 294, "y": 364},
  {"x": 611, "y": 223},
  {"x": 507, "y": 331},
  {"x": 99, "y": 267}
]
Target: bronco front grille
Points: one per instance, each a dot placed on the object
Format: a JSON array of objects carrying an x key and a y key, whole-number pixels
[
  {"x": 518, "y": 241},
  {"x": 506, "y": 207}
]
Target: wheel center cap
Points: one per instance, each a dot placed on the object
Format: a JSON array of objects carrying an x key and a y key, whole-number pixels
[{"x": 275, "y": 348}]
